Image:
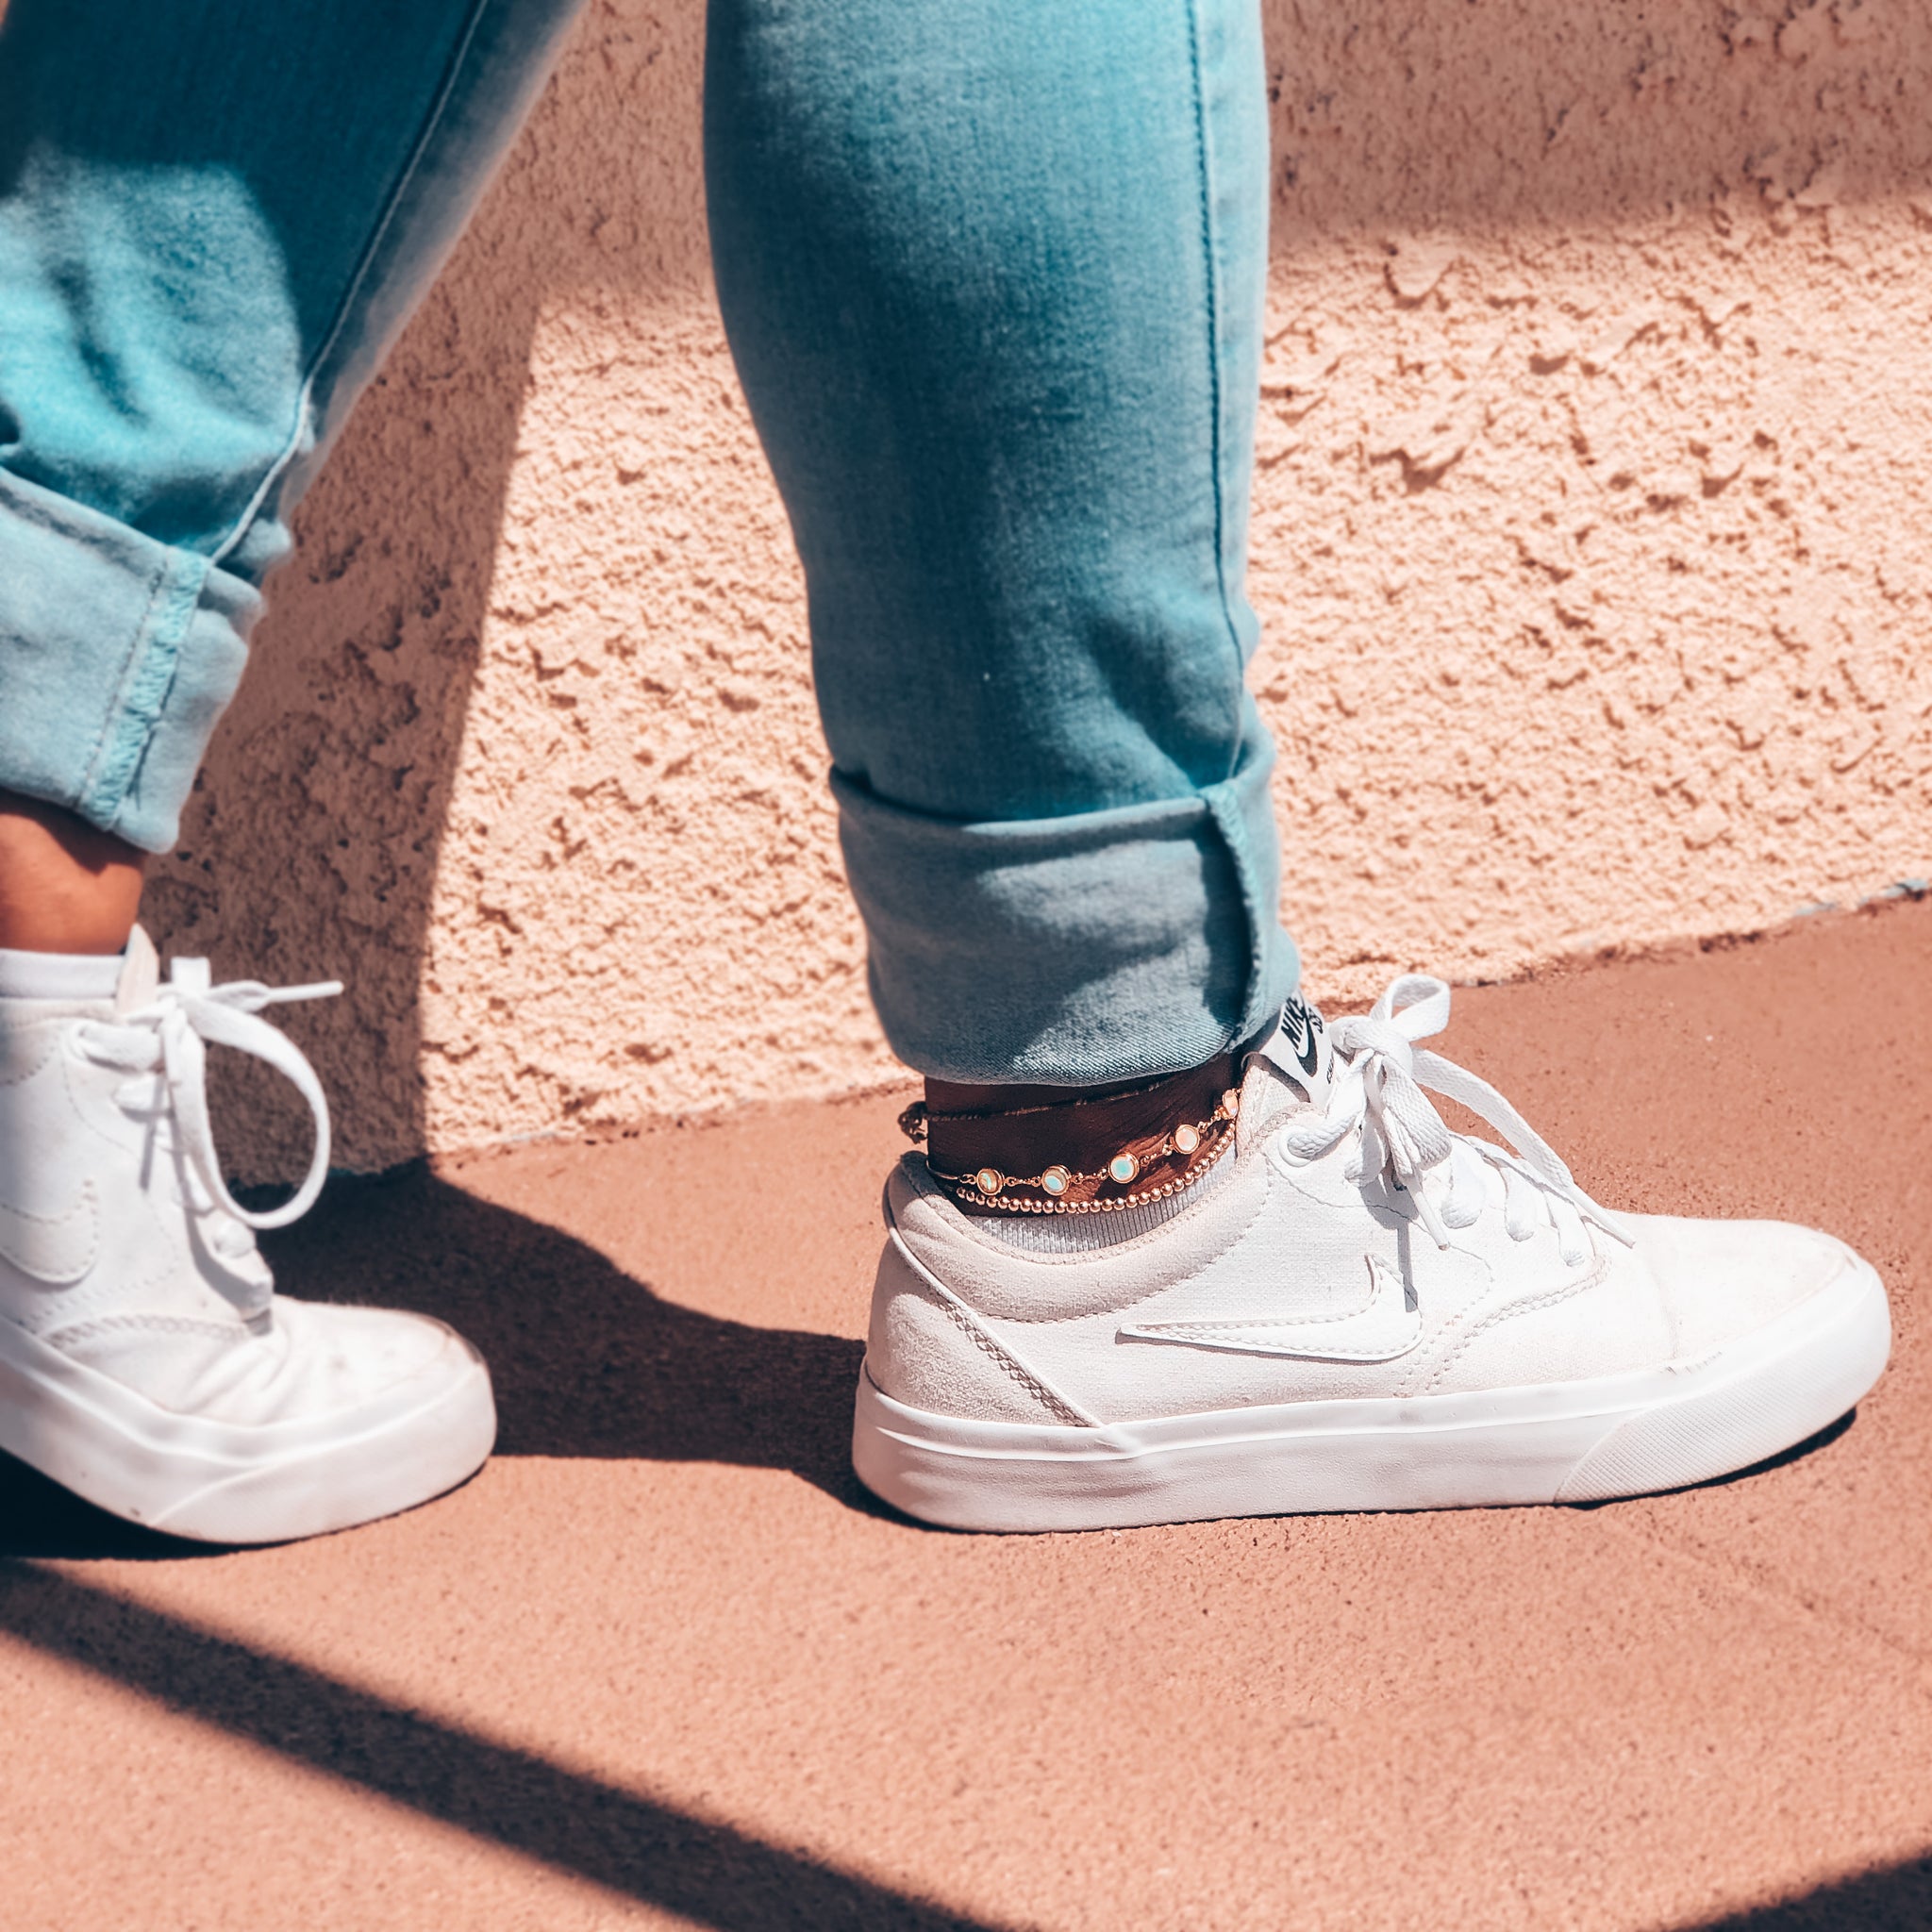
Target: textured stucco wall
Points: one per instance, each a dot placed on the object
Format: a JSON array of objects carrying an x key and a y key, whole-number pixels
[{"x": 1591, "y": 543}]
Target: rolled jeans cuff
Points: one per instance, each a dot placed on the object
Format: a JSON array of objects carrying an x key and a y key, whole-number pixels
[
  {"x": 1104, "y": 946},
  {"x": 117, "y": 656}
]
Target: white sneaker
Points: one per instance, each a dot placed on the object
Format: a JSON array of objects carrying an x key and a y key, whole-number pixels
[
  {"x": 145, "y": 1362},
  {"x": 1357, "y": 1310}
]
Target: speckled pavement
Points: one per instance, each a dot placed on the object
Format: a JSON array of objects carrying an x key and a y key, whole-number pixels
[{"x": 663, "y": 1664}]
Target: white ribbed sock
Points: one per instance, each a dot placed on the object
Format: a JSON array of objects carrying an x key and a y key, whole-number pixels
[{"x": 59, "y": 975}]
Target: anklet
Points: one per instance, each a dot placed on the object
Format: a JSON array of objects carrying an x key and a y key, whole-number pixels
[
  {"x": 1059, "y": 1189},
  {"x": 968, "y": 1191}
]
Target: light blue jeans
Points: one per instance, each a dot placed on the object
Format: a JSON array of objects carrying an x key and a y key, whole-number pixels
[{"x": 992, "y": 271}]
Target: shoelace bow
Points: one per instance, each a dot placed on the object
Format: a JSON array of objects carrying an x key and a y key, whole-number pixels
[
  {"x": 172, "y": 1035},
  {"x": 1378, "y": 1089}
]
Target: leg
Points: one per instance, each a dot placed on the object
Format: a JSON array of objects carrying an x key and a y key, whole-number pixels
[
  {"x": 992, "y": 275},
  {"x": 185, "y": 314},
  {"x": 64, "y": 886},
  {"x": 212, "y": 219}
]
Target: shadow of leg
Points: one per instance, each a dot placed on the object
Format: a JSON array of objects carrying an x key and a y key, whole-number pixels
[
  {"x": 588, "y": 1361},
  {"x": 629, "y": 1844}
]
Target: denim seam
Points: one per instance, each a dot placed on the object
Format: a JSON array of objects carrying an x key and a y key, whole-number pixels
[
  {"x": 145, "y": 693},
  {"x": 305, "y": 403},
  {"x": 90, "y": 796},
  {"x": 1226, "y": 822},
  {"x": 1216, "y": 375},
  {"x": 1225, "y": 814}
]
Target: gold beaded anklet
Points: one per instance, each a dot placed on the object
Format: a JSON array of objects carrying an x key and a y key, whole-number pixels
[{"x": 988, "y": 1188}]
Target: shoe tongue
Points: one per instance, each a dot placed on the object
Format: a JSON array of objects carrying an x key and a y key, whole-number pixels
[
  {"x": 141, "y": 974},
  {"x": 1291, "y": 1068}
]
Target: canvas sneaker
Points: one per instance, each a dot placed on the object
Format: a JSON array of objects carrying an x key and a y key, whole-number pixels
[
  {"x": 145, "y": 1361},
  {"x": 1356, "y": 1309}
]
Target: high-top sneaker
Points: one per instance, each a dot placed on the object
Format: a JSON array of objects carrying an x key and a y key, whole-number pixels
[
  {"x": 1356, "y": 1309},
  {"x": 145, "y": 1361}
]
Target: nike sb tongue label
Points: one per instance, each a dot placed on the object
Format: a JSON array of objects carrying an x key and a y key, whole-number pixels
[{"x": 1299, "y": 1046}]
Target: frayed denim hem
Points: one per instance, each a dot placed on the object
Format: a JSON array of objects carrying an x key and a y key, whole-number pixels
[
  {"x": 1104, "y": 945},
  {"x": 117, "y": 656}
]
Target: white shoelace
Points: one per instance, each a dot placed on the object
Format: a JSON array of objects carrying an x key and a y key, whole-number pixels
[
  {"x": 171, "y": 1036},
  {"x": 1377, "y": 1093}
]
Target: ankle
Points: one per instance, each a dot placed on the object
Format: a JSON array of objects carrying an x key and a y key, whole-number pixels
[
  {"x": 1019, "y": 1149},
  {"x": 65, "y": 886}
]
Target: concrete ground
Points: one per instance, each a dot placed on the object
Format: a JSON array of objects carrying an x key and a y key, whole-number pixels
[{"x": 662, "y": 1663}]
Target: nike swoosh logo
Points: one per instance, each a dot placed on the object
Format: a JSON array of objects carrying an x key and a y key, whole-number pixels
[
  {"x": 54, "y": 1249},
  {"x": 1389, "y": 1324},
  {"x": 1301, "y": 1034},
  {"x": 1310, "y": 1058}
]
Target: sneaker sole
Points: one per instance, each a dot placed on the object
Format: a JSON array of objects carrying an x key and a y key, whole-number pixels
[
  {"x": 229, "y": 1482},
  {"x": 1565, "y": 1442}
]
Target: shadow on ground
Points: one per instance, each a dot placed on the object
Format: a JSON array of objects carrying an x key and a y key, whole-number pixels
[
  {"x": 620, "y": 1840},
  {"x": 627, "y": 1842},
  {"x": 587, "y": 1360},
  {"x": 1895, "y": 1899}
]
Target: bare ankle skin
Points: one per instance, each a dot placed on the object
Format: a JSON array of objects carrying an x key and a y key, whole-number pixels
[{"x": 65, "y": 886}]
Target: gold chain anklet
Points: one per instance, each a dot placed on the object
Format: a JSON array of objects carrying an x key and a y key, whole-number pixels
[
  {"x": 970, "y": 1196},
  {"x": 1065, "y": 1189}
]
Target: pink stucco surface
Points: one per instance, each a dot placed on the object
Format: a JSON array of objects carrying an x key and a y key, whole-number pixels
[{"x": 1590, "y": 542}]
